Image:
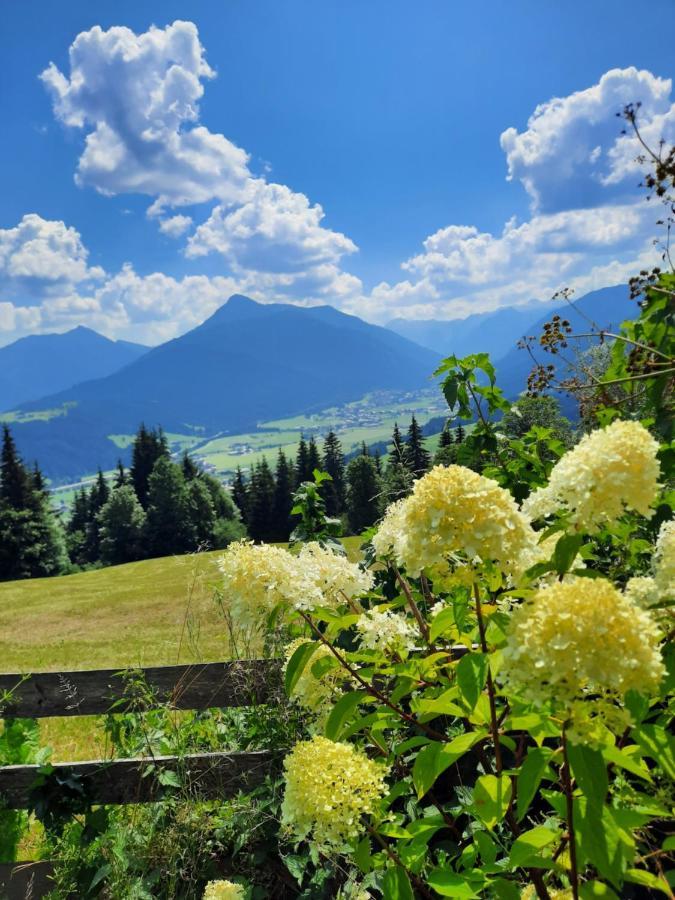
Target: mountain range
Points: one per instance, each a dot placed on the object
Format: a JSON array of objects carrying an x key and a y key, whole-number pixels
[
  {"x": 249, "y": 363},
  {"x": 42, "y": 364}
]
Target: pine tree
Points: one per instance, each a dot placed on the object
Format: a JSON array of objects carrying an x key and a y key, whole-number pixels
[
  {"x": 228, "y": 525},
  {"x": 15, "y": 483},
  {"x": 189, "y": 466},
  {"x": 168, "y": 528},
  {"x": 201, "y": 514},
  {"x": 148, "y": 447},
  {"x": 261, "y": 503},
  {"x": 313, "y": 458},
  {"x": 415, "y": 456},
  {"x": 283, "y": 499},
  {"x": 121, "y": 526},
  {"x": 240, "y": 494},
  {"x": 378, "y": 462},
  {"x": 398, "y": 446},
  {"x": 302, "y": 470},
  {"x": 363, "y": 494},
  {"x": 398, "y": 480},
  {"x": 364, "y": 449},
  {"x": 76, "y": 530},
  {"x": 32, "y": 542},
  {"x": 333, "y": 463},
  {"x": 460, "y": 434},
  {"x": 445, "y": 438},
  {"x": 98, "y": 497},
  {"x": 120, "y": 475}
]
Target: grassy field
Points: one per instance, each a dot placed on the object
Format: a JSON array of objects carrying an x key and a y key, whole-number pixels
[{"x": 154, "y": 612}]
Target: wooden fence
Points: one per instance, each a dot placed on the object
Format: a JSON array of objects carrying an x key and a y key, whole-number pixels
[{"x": 206, "y": 775}]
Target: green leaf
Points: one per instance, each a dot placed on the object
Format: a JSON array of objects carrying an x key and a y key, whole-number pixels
[
  {"x": 599, "y": 840},
  {"x": 435, "y": 758},
  {"x": 648, "y": 880},
  {"x": 591, "y": 889},
  {"x": 296, "y": 665},
  {"x": 339, "y": 714},
  {"x": 529, "y": 778},
  {"x": 658, "y": 745},
  {"x": 168, "y": 778},
  {"x": 450, "y": 884},
  {"x": 566, "y": 550},
  {"x": 442, "y": 620},
  {"x": 529, "y": 844},
  {"x": 472, "y": 671},
  {"x": 362, "y": 855},
  {"x": 450, "y": 390},
  {"x": 627, "y": 758},
  {"x": 590, "y": 771},
  {"x": 491, "y": 798},
  {"x": 396, "y": 885}
]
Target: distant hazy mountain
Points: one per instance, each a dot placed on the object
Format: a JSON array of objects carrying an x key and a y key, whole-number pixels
[
  {"x": 607, "y": 308},
  {"x": 492, "y": 333},
  {"x": 248, "y": 363},
  {"x": 45, "y": 363}
]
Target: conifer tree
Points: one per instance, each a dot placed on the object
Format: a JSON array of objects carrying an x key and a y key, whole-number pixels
[
  {"x": 460, "y": 434},
  {"x": 261, "y": 503},
  {"x": 228, "y": 524},
  {"x": 445, "y": 438},
  {"x": 415, "y": 456},
  {"x": 363, "y": 493},
  {"x": 189, "y": 466},
  {"x": 313, "y": 459},
  {"x": 333, "y": 463},
  {"x": 98, "y": 497},
  {"x": 168, "y": 528},
  {"x": 302, "y": 470},
  {"x": 121, "y": 526},
  {"x": 120, "y": 475},
  {"x": 397, "y": 480},
  {"x": 398, "y": 446},
  {"x": 148, "y": 446},
  {"x": 378, "y": 462},
  {"x": 201, "y": 514},
  {"x": 32, "y": 543},
  {"x": 240, "y": 494},
  {"x": 283, "y": 499},
  {"x": 76, "y": 530}
]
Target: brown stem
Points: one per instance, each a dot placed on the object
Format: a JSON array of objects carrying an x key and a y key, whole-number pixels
[
  {"x": 396, "y": 859},
  {"x": 494, "y": 725},
  {"x": 405, "y": 587},
  {"x": 373, "y": 691},
  {"x": 567, "y": 786}
]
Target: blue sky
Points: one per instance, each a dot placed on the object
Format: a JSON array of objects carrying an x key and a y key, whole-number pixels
[{"x": 210, "y": 144}]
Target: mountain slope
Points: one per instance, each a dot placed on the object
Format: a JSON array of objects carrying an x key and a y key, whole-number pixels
[
  {"x": 44, "y": 363},
  {"x": 248, "y": 363},
  {"x": 607, "y": 308},
  {"x": 492, "y": 333}
]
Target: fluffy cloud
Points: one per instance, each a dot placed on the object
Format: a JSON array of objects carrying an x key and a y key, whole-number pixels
[
  {"x": 572, "y": 154},
  {"x": 590, "y": 225},
  {"x": 137, "y": 96},
  {"x": 40, "y": 259},
  {"x": 175, "y": 226},
  {"x": 275, "y": 230}
]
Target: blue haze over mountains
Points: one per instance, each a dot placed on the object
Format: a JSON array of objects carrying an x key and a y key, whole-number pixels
[{"x": 246, "y": 364}]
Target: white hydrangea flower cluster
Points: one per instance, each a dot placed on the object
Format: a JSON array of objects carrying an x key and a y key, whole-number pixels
[
  {"x": 259, "y": 577},
  {"x": 335, "y": 577},
  {"x": 664, "y": 560},
  {"x": 610, "y": 470},
  {"x": 388, "y": 632},
  {"x": 455, "y": 511}
]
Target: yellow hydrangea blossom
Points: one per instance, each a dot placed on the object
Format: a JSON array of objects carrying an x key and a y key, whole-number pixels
[
  {"x": 609, "y": 470},
  {"x": 453, "y": 510},
  {"x": 389, "y": 531},
  {"x": 223, "y": 890},
  {"x": 330, "y": 786},
  {"x": 387, "y": 631},
  {"x": 664, "y": 560},
  {"x": 335, "y": 577},
  {"x": 311, "y": 692},
  {"x": 643, "y": 591},
  {"x": 579, "y": 637},
  {"x": 530, "y": 893}
]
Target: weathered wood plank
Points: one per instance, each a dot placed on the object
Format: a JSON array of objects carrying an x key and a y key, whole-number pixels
[
  {"x": 203, "y": 775},
  {"x": 92, "y": 692},
  {"x": 21, "y": 880}
]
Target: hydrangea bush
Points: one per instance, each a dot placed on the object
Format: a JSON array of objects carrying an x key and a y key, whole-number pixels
[{"x": 489, "y": 694}]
